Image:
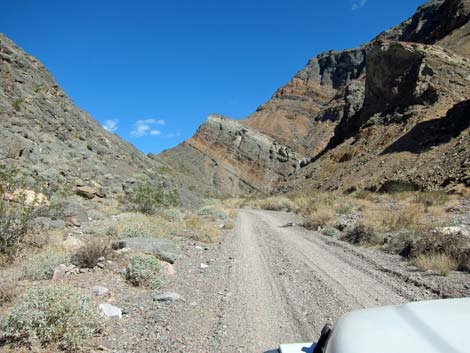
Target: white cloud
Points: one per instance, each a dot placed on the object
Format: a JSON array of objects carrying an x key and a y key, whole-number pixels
[
  {"x": 357, "y": 4},
  {"x": 111, "y": 125},
  {"x": 146, "y": 127}
]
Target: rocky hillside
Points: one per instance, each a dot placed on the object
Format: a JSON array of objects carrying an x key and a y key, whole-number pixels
[
  {"x": 392, "y": 111},
  {"x": 52, "y": 141},
  {"x": 233, "y": 158}
]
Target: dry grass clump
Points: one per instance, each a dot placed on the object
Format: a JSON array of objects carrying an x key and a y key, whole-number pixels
[
  {"x": 432, "y": 198},
  {"x": 386, "y": 219},
  {"x": 319, "y": 218},
  {"x": 363, "y": 235},
  {"x": 438, "y": 242},
  {"x": 440, "y": 263},
  {"x": 306, "y": 204},
  {"x": 140, "y": 225},
  {"x": 201, "y": 229},
  {"x": 8, "y": 288},
  {"x": 87, "y": 256},
  {"x": 407, "y": 217},
  {"x": 276, "y": 203}
]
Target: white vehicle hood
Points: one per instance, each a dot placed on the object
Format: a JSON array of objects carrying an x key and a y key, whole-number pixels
[{"x": 439, "y": 326}]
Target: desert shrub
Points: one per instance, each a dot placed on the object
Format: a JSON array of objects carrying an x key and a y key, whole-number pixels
[
  {"x": 318, "y": 218},
  {"x": 440, "y": 263},
  {"x": 276, "y": 203},
  {"x": 330, "y": 232},
  {"x": 87, "y": 255},
  {"x": 201, "y": 229},
  {"x": 16, "y": 104},
  {"x": 53, "y": 315},
  {"x": 8, "y": 288},
  {"x": 364, "y": 195},
  {"x": 401, "y": 243},
  {"x": 362, "y": 235},
  {"x": 229, "y": 225},
  {"x": 41, "y": 265},
  {"x": 216, "y": 212},
  {"x": 141, "y": 225},
  {"x": 144, "y": 271},
  {"x": 407, "y": 217},
  {"x": 15, "y": 212},
  {"x": 434, "y": 241},
  {"x": 344, "y": 208},
  {"x": 148, "y": 198},
  {"x": 306, "y": 204},
  {"x": 432, "y": 198}
]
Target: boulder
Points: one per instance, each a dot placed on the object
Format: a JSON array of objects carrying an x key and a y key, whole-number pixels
[
  {"x": 62, "y": 271},
  {"x": 164, "y": 249},
  {"x": 100, "y": 291},
  {"x": 110, "y": 311},
  {"x": 86, "y": 192},
  {"x": 69, "y": 209},
  {"x": 72, "y": 243}
]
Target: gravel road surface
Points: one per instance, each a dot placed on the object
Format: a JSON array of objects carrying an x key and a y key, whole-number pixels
[{"x": 267, "y": 284}]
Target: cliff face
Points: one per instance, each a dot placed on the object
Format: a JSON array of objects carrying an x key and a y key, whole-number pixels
[
  {"x": 233, "y": 159},
  {"x": 413, "y": 128},
  {"x": 52, "y": 141},
  {"x": 347, "y": 112}
]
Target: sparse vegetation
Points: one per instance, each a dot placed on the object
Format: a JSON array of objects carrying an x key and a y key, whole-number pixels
[
  {"x": 15, "y": 212},
  {"x": 8, "y": 288},
  {"x": 363, "y": 235},
  {"x": 201, "y": 230},
  {"x": 440, "y": 263},
  {"x": 87, "y": 256},
  {"x": 141, "y": 225},
  {"x": 148, "y": 198},
  {"x": 436, "y": 241},
  {"x": 144, "y": 271},
  {"x": 16, "y": 104},
  {"x": 330, "y": 232},
  {"x": 53, "y": 315},
  {"x": 319, "y": 218},
  {"x": 41, "y": 265},
  {"x": 276, "y": 203},
  {"x": 432, "y": 198}
]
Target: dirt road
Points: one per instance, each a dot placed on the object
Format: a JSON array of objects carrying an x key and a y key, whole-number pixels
[{"x": 267, "y": 284}]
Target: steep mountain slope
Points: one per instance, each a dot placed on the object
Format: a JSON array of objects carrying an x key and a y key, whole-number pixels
[
  {"x": 233, "y": 159},
  {"x": 52, "y": 141},
  {"x": 350, "y": 106}
]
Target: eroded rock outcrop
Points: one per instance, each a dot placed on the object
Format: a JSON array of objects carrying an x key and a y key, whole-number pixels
[
  {"x": 51, "y": 141},
  {"x": 233, "y": 159},
  {"x": 394, "y": 110}
]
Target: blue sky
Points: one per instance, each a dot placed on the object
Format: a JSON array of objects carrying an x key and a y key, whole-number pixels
[{"x": 151, "y": 71}]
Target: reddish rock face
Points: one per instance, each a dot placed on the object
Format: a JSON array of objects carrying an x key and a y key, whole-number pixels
[{"x": 388, "y": 111}]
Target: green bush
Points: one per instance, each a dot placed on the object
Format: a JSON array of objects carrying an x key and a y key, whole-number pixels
[
  {"x": 41, "y": 266},
  {"x": 144, "y": 271},
  {"x": 14, "y": 214},
  {"x": 149, "y": 198},
  {"x": 16, "y": 104},
  {"x": 331, "y": 232},
  {"x": 53, "y": 315}
]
